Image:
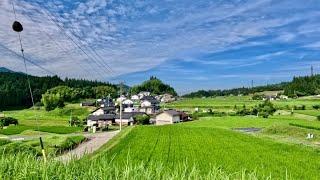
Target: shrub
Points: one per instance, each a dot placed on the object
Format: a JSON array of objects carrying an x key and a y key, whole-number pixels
[
  {"x": 299, "y": 107},
  {"x": 6, "y": 121},
  {"x": 317, "y": 106},
  {"x": 142, "y": 119},
  {"x": 318, "y": 117},
  {"x": 70, "y": 143},
  {"x": 52, "y": 101},
  {"x": 75, "y": 121}
]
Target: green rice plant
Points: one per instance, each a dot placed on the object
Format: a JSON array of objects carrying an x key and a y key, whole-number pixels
[{"x": 22, "y": 166}]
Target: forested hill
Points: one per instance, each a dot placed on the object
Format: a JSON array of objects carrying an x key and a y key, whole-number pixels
[
  {"x": 236, "y": 91},
  {"x": 14, "y": 88},
  {"x": 303, "y": 86},
  {"x": 155, "y": 86}
]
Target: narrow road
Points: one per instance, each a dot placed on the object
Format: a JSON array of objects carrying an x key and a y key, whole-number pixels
[{"x": 94, "y": 143}]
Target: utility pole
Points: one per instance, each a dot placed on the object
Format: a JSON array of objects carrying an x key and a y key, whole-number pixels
[
  {"x": 120, "y": 106},
  {"x": 311, "y": 70},
  {"x": 251, "y": 84},
  {"x": 71, "y": 118}
]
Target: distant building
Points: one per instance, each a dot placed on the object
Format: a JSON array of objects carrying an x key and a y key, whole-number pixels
[
  {"x": 149, "y": 105},
  {"x": 135, "y": 97},
  {"x": 127, "y": 118},
  {"x": 100, "y": 121},
  {"x": 143, "y": 94},
  {"x": 168, "y": 117},
  {"x": 83, "y": 104}
]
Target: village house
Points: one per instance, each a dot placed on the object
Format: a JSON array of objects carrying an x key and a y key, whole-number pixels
[
  {"x": 135, "y": 97},
  {"x": 127, "y": 103},
  {"x": 100, "y": 121},
  {"x": 127, "y": 118},
  {"x": 149, "y": 105},
  {"x": 142, "y": 94},
  {"x": 168, "y": 117},
  {"x": 167, "y": 98}
]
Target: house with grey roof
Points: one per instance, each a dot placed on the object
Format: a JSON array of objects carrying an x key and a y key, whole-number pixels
[{"x": 168, "y": 117}]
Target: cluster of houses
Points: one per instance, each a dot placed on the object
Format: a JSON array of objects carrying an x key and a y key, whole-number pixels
[{"x": 108, "y": 110}]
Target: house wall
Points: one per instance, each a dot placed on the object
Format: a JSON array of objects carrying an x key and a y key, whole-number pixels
[
  {"x": 124, "y": 121},
  {"x": 98, "y": 112},
  {"x": 145, "y": 104},
  {"x": 164, "y": 118}
]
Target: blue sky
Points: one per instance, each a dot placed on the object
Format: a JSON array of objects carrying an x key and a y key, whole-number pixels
[{"x": 189, "y": 44}]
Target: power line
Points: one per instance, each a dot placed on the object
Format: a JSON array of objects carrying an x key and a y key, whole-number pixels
[
  {"x": 64, "y": 51},
  {"x": 28, "y": 60},
  {"x": 93, "y": 50},
  {"x": 54, "y": 20}
]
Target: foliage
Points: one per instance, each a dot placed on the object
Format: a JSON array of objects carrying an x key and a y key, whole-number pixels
[
  {"x": 155, "y": 86},
  {"x": 316, "y": 106},
  {"x": 75, "y": 121},
  {"x": 299, "y": 107},
  {"x": 303, "y": 86},
  {"x": 14, "y": 90},
  {"x": 257, "y": 97},
  {"x": 52, "y": 101},
  {"x": 142, "y": 119},
  {"x": 21, "y": 166},
  {"x": 236, "y": 91},
  {"x": 6, "y": 121},
  {"x": 69, "y": 143},
  {"x": 105, "y": 91}
]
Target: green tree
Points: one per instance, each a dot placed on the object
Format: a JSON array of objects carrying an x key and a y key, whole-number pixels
[
  {"x": 142, "y": 119},
  {"x": 52, "y": 101},
  {"x": 104, "y": 91}
]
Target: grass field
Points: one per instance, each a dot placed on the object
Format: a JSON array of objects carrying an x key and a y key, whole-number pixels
[
  {"x": 227, "y": 103},
  {"x": 54, "y": 144},
  {"x": 57, "y": 117},
  {"x": 11, "y": 130}
]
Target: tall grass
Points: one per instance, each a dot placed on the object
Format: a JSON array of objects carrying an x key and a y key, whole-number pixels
[{"x": 23, "y": 166}]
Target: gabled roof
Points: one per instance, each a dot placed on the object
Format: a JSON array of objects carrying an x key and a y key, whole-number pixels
[
  {"x": 128, "y": 115},
  {"x": 101, "y": 117},
  {"x": 150, "y": 99},
  {"x": 171, "y": 112}
]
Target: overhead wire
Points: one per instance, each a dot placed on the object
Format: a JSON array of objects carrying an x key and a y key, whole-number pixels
[{"x": 28, "y": 79}]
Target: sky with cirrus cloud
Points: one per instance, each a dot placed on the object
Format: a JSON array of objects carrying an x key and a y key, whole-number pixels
[{"x": 191, "y": 45}]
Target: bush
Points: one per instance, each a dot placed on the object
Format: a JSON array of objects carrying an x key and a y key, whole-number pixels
[
  {"x": 52, "y": 101},
  {"x": 318, "y": 117},
  {"x": 75, "y": 121},
  {"x": 299, "y": 107},
  {"x": 142, "y": 119},
  {"x": 6, "y": 121},
  {"x": 317, "y": 106},
  {"x": 70, "y": 143}
]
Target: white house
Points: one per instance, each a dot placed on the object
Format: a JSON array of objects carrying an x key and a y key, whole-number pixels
[
  {"x": 143, "y": 94},
  {"x": 135, "y": 97},
  {"x": 168, "y": 117},
  {"x": 127, "y": 102},
  {"x": 146, "y": 103},
  {"x": 131, "y": 109}
]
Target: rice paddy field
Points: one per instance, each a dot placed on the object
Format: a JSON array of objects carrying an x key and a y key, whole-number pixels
[
  {"x": 229, "y": 102},
  {"x": 228, "y": 147}
]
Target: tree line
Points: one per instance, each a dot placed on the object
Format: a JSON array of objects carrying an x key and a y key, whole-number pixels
[
  {"x": 237, "y": 91},
  {"x": 14, "y": 92}
]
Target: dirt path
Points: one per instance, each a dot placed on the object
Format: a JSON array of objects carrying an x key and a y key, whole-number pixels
[{"x": 94, "y": 143}]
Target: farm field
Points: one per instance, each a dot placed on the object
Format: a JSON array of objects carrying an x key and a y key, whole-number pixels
[
  {"x": 57, "y": 117},
  {"x": 229, "y": 102},
  {"x": 230, "y": 150}
]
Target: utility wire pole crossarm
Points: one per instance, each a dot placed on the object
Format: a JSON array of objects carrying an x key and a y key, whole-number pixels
[{"x": 120, "y": 106}]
